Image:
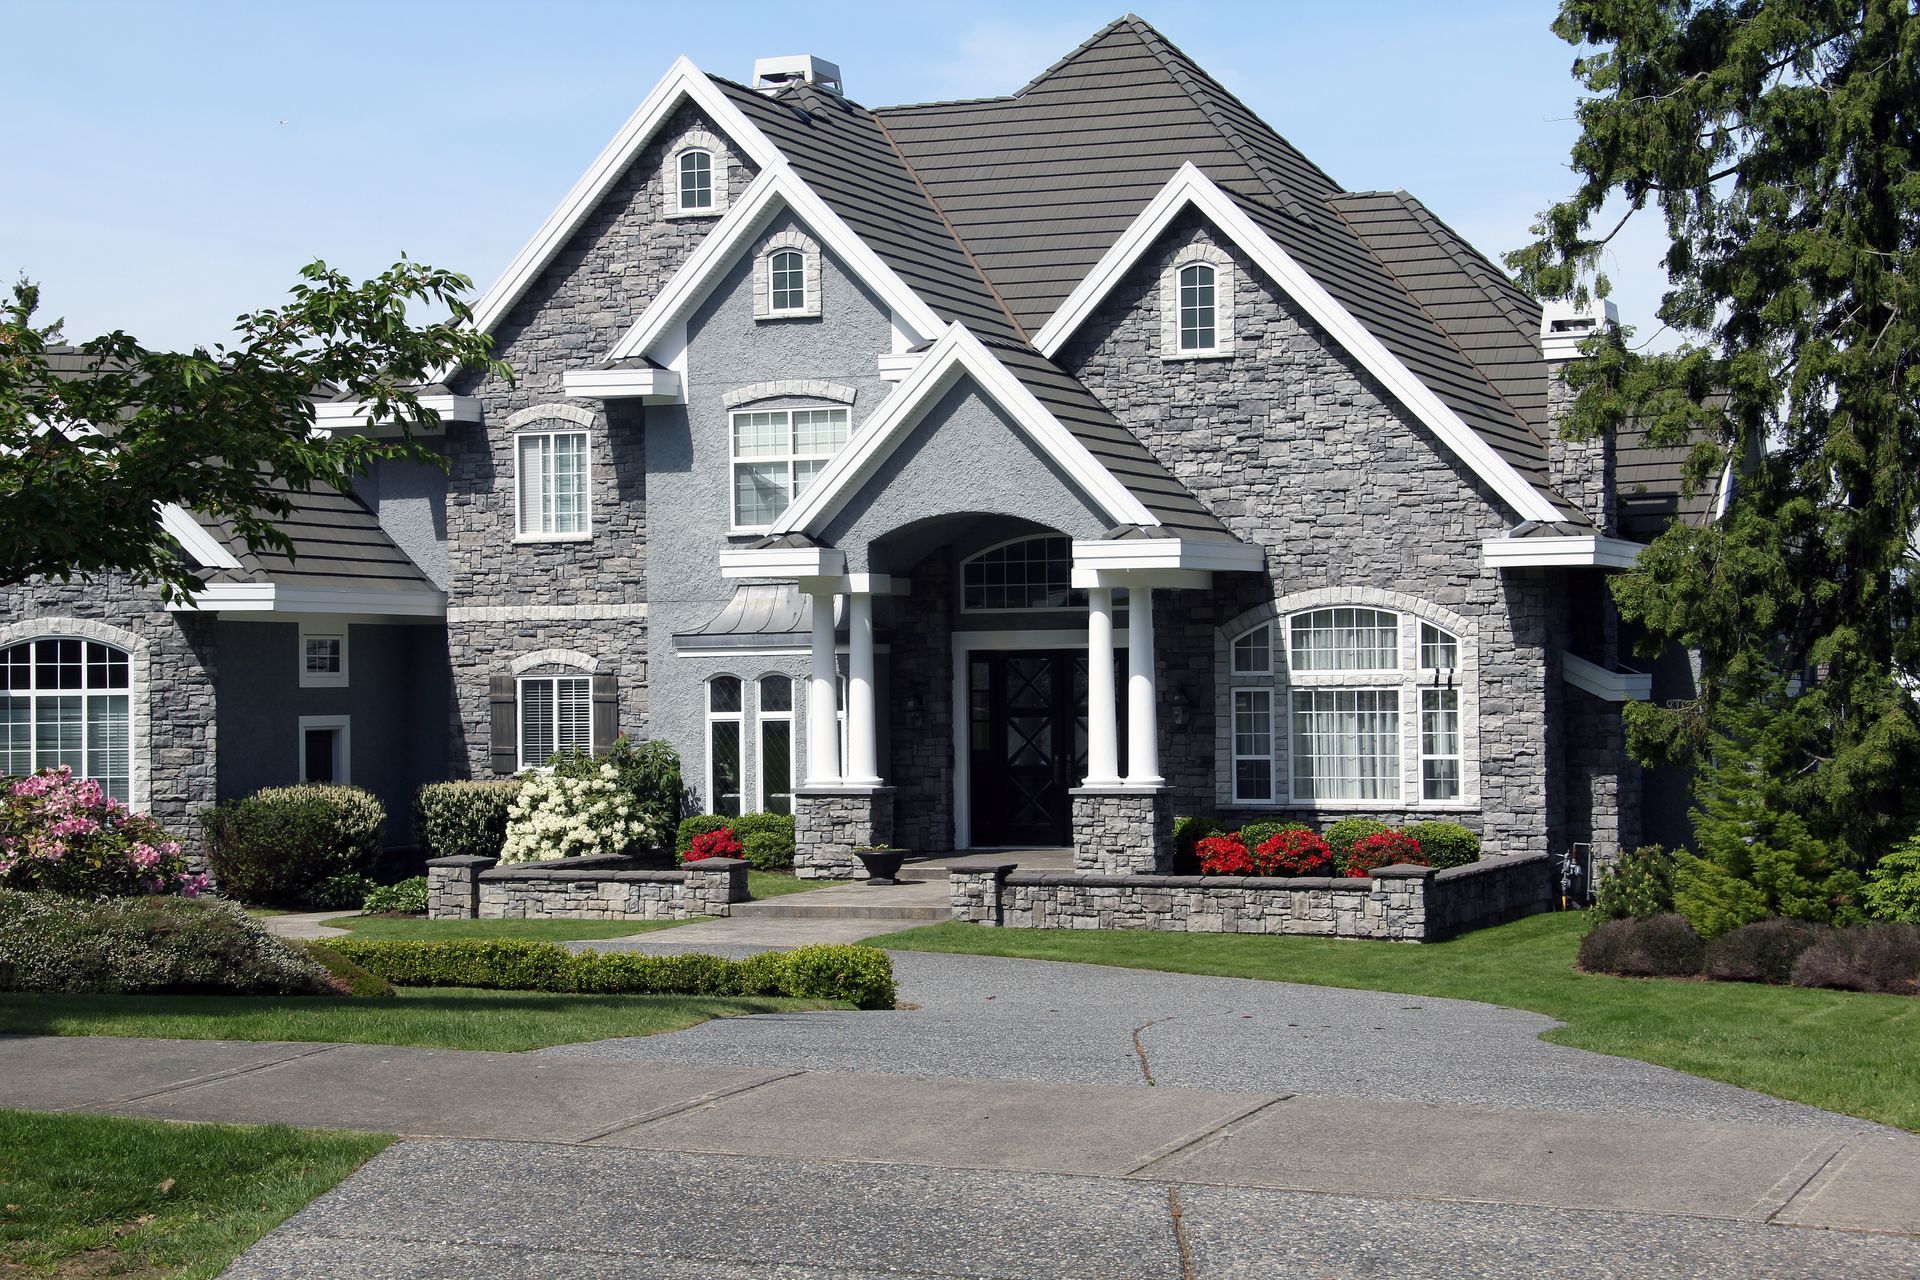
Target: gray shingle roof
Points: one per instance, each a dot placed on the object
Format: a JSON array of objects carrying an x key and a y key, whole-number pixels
[
  {"x": 1649, "y": 482},
  {"x": 338, "y": 543}
]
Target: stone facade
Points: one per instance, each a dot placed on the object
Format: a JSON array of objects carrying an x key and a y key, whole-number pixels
[
  {"x": 830, "y": 823},
  {"x": 1122, "y": 832},
  {"x": 1581, "y": 471},
  {"x": 582, "y": 889},
  {"x": 1300, "y": 451},
  {"x": 1399, "y": 904}
]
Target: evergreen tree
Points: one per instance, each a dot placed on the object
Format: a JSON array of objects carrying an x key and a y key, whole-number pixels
[{"x": 1780, "y": 141}]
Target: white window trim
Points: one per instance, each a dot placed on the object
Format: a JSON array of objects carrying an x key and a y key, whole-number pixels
[
  {"x": 719, "y": 171},
  {"x": 323, "y": 679},
  {"x": 520, "y": 534},
  {"x": 1460, "y": 738},
  {"x": 520, "y": 721},
  {"x": 1234, "y": 756},
  {"x": 1223, "y": 303},
  {"x": 342, "y": 745},
  {"x": 762, "y": 717},
  {"x": 734, "y": 460},
  {"x": 1398, "y": 801},
  {"x": 712, "y": 718},
  {"x": 809, "y": 251},
  {"x": 89, "y": 633}
]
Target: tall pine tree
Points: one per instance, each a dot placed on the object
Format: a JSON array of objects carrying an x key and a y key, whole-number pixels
[{"x": 1780, "y": 141}]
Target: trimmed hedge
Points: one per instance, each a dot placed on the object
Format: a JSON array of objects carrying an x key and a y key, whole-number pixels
[
  {"x": 1763, "y": 952},
  {"x": 146, "y": 946},
  {"x": 1188, "y": 832},
  {"x": 349, "y": 979},
  {"x": 1446, "y": 844},
  {"x": 1882, "y": 958},
  {"x": 279, "y": 845},
  {"x": 463, "y": 819},
  {"x": 862, "y": 976}
]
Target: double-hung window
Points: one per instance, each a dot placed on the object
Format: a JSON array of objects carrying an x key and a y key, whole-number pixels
[
  {"x": 556, "y": 717},
  {"x": 1253, "y": 716},
  {"x": 776, "y": 454},
  {"x": 696, "y": 180},
  {"x": 68, "y": 702},
  {"x": 551, "y": 479}
]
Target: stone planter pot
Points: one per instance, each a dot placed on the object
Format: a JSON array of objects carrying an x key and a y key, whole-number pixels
[{"x": 883, "y": 865}]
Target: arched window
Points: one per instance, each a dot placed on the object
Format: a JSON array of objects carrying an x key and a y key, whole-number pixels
[
  {"x": 68, "y": 701},
  {"x": 1196, "y": 304},
  {"x": 1197, "y": 316},
  {"x": 1027, "y": 573},
  {"x": 775, "y": 711},
  {"x": 724, "y": 745},
  {"x": 696, "y": 180},
  {"x": 787, "y": 281}
]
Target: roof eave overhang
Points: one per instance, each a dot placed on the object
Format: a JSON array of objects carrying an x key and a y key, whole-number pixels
[
  {"x": 652, "y": 386},
  {"x": 1603, "y": 683},
  {"x": 339, "y": 417},
  {"x": 279, "y": 598},
  {"x": 1588, "y": 551},
  {"x": 1170, "y": 562}
]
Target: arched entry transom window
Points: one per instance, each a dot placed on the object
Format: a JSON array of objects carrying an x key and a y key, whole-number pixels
[
  {"x": 1027, "y": 573},
  {"x": 68, "y": 701}
]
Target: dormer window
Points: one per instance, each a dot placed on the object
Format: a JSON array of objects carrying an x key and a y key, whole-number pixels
[
  {"x": 1197, "y": 307},
  {"x": 696, "y": 180},
  {"x": 786, "y": 277},
  {"x": 787, "y": 281},
  {"x": 1196, "y": 304}
]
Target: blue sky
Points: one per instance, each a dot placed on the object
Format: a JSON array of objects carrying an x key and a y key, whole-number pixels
[{"x": 173, "y": 165}]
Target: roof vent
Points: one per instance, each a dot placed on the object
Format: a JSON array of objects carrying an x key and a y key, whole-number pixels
[
  {"x": 1564, "y": 326},
  {"x": 770, "y": 75}
]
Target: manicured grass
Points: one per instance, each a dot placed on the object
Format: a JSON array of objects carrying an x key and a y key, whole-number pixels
[
  {"x": 1858, "y": 1054},
  {"x": 96, "y": 1195},
  {"x": 773, "y": 884},
  {"x": 440, "y": 1018},
  {"x": 421, "y": 929}
]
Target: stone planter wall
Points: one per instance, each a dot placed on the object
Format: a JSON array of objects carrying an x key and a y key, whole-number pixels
[
  {"x": 829, "y": 824},
  {"x": 582, "y": 889},
  {"x": 1120, "y": 831},
  {"x": 1401, "y": 903}
]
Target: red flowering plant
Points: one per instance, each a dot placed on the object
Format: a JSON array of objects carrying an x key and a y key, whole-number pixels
[
  {"x": 1294, "y": 852},
  {"x": 1383, "y": 849},
  {"x": 714, "y": 844},
  {"x": 62, "y": 834},
  {"x": 1224, "y": 856}
]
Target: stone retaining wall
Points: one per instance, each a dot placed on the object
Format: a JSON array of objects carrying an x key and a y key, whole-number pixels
[
  {"x": 582, "y": 889},
  {"x": 1399, "y": 903}
]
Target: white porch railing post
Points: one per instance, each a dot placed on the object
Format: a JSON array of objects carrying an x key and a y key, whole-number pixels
[
  {"x": 1143, "y": 722},
  {"x": 1103, "y": 729}
]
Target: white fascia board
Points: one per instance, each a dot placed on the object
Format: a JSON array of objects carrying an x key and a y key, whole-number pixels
[
  {"x": 958, "y": 353},
  {"x": 1578, "y": 552},
  {"x": 896, "y": 365},
  {"x": 348, "y": 415},
  {"x": 1190, "y": 187},
  {"x": 1609, "y": 686},
  {"x": 777, "y": 188},
  {"x": 268, "y": 597},
  {"x": 1205, "y": 555},
  {"x": 207, "y": 551},
  {"x": 783, "y": 563},
  {"x": 656, "y": 386},
  {"x": 683, "y": 81}
]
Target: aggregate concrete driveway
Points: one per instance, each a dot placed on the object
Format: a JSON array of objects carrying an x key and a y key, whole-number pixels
[{"x": 988, "y": 1017}]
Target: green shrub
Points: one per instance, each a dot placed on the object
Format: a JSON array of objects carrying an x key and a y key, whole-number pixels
[
  {"x": 1254, "y": 834},
  {"x": 649, "y": 772},
  {"x": 278, "y": 845},
  {"x": 1638, "y": 887},
  {"x": 1713, "y": 899},
  {"x": 766, "y": 851},
  {"x": 408, "y": 898},
  {"x": 1663, "y": 946},
  {"x": 1883, "y": 958},
  {"x": 463, "y": 819},
  {"x": 1342, "y": 836},
  {"x": 862, "y": 976},
  {"x": 1762, "y": 952},
  {"x": 698, "y": 825},
  {"x": 1188, "y": 832},
  {"x": 344, "y": 892},
  {"x": 1893, "y": 888},
  {"x": 1446, "y": 844},
  {"x": 145, "y": 945},
  {"x": 348, "y": 978}
]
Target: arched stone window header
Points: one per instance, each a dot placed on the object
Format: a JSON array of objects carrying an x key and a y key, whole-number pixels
[
  {"x": 696, "y": 176},
  {"x": 1196, "y": 304}
]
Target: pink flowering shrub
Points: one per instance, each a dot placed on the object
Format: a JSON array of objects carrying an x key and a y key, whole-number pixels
[{"x": 65, "y": 835}]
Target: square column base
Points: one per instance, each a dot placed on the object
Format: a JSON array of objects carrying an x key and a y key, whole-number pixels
[
  {"x": 829, "y": 823},
  {"x": 1123, "y": 831}
]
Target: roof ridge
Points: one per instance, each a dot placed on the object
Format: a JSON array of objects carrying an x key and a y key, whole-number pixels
[{"x": 1075, "y": 52}]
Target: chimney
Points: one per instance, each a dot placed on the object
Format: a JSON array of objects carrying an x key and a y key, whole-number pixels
[
  {"x": 770, "y": 75},
  {"x": 1564, "y": 325}
]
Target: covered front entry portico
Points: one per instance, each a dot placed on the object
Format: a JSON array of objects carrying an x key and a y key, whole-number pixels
[{"x": 1026, "y": 741}]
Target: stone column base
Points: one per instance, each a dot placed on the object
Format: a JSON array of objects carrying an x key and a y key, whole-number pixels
[
  {"x": 1123, "y": 831},
  {"x": 829, "y": 823},
  {"x": 453, "y": 887}
]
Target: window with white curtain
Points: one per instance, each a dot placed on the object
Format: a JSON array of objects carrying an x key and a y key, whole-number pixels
[
  {"x": 68, "y": 701},
  {"x": 776, "y": 455},
  {"x": 1345, "y": 639},
  {"x": 725, "y": 747},
  {"x": 556, "y": 716},
  {"x": 1439, "y": 650},
  {"x": 1439, "y": 744},
  {"x": 1346, "y": 744},
  {"x": 551, "y": 483}
]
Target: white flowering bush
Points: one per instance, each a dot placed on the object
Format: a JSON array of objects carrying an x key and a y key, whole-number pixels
[{"x": 576, "y": 813}]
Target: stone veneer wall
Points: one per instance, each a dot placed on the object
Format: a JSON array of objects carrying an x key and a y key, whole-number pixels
[
  {"x": 829, "y": 824},
  {"x": 1400, "y": 903},
  {"x": 582, "y": 889},
  {"x": 1120, "y": 832},
  {"x": 1300, "y": 451}
]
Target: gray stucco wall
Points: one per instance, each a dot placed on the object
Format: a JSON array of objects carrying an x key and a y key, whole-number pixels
[
  {"x": 1297, "y": 449},
  {"x": 410, "y": 501}
]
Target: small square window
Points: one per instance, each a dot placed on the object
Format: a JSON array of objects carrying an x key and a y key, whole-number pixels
[{"x": 323, "y": 659}]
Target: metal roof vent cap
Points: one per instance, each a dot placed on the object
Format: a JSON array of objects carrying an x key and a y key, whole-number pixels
[
  {"x": 1564, "y": 326},
  {"x": 770, "y": 75}
]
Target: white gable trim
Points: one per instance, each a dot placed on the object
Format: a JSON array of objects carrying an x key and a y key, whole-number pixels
[
  {"x": 777, "y": 188},
  {"x": 1190, "y": 187},
  {"x": 682, "y": 81},
  {"x": 957, "y": 353},
  {"x": 207, "y": 551}
]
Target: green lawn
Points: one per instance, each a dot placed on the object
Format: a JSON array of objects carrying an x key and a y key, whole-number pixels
[
  {"x": 421, "y": 929},
  {"x": 774, "y": 884},
  {"x": 440, "y": 1018},
  {"x": 1858, "y": 1054},
  {"x": 96, "y": 1196}
]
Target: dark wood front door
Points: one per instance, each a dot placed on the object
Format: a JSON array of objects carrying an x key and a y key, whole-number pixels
[{"x": 1028, "y": 734}]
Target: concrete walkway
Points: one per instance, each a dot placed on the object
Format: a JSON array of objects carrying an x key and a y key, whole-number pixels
[{"x": 306, "y": 925}]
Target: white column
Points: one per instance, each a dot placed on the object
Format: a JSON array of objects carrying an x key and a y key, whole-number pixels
[
  {"x": 1143, "y": 722},
  {"x": 1103, "y": 729},
  {"x": 823, "y": 711},
  {"x": 863, "y": 759}
]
